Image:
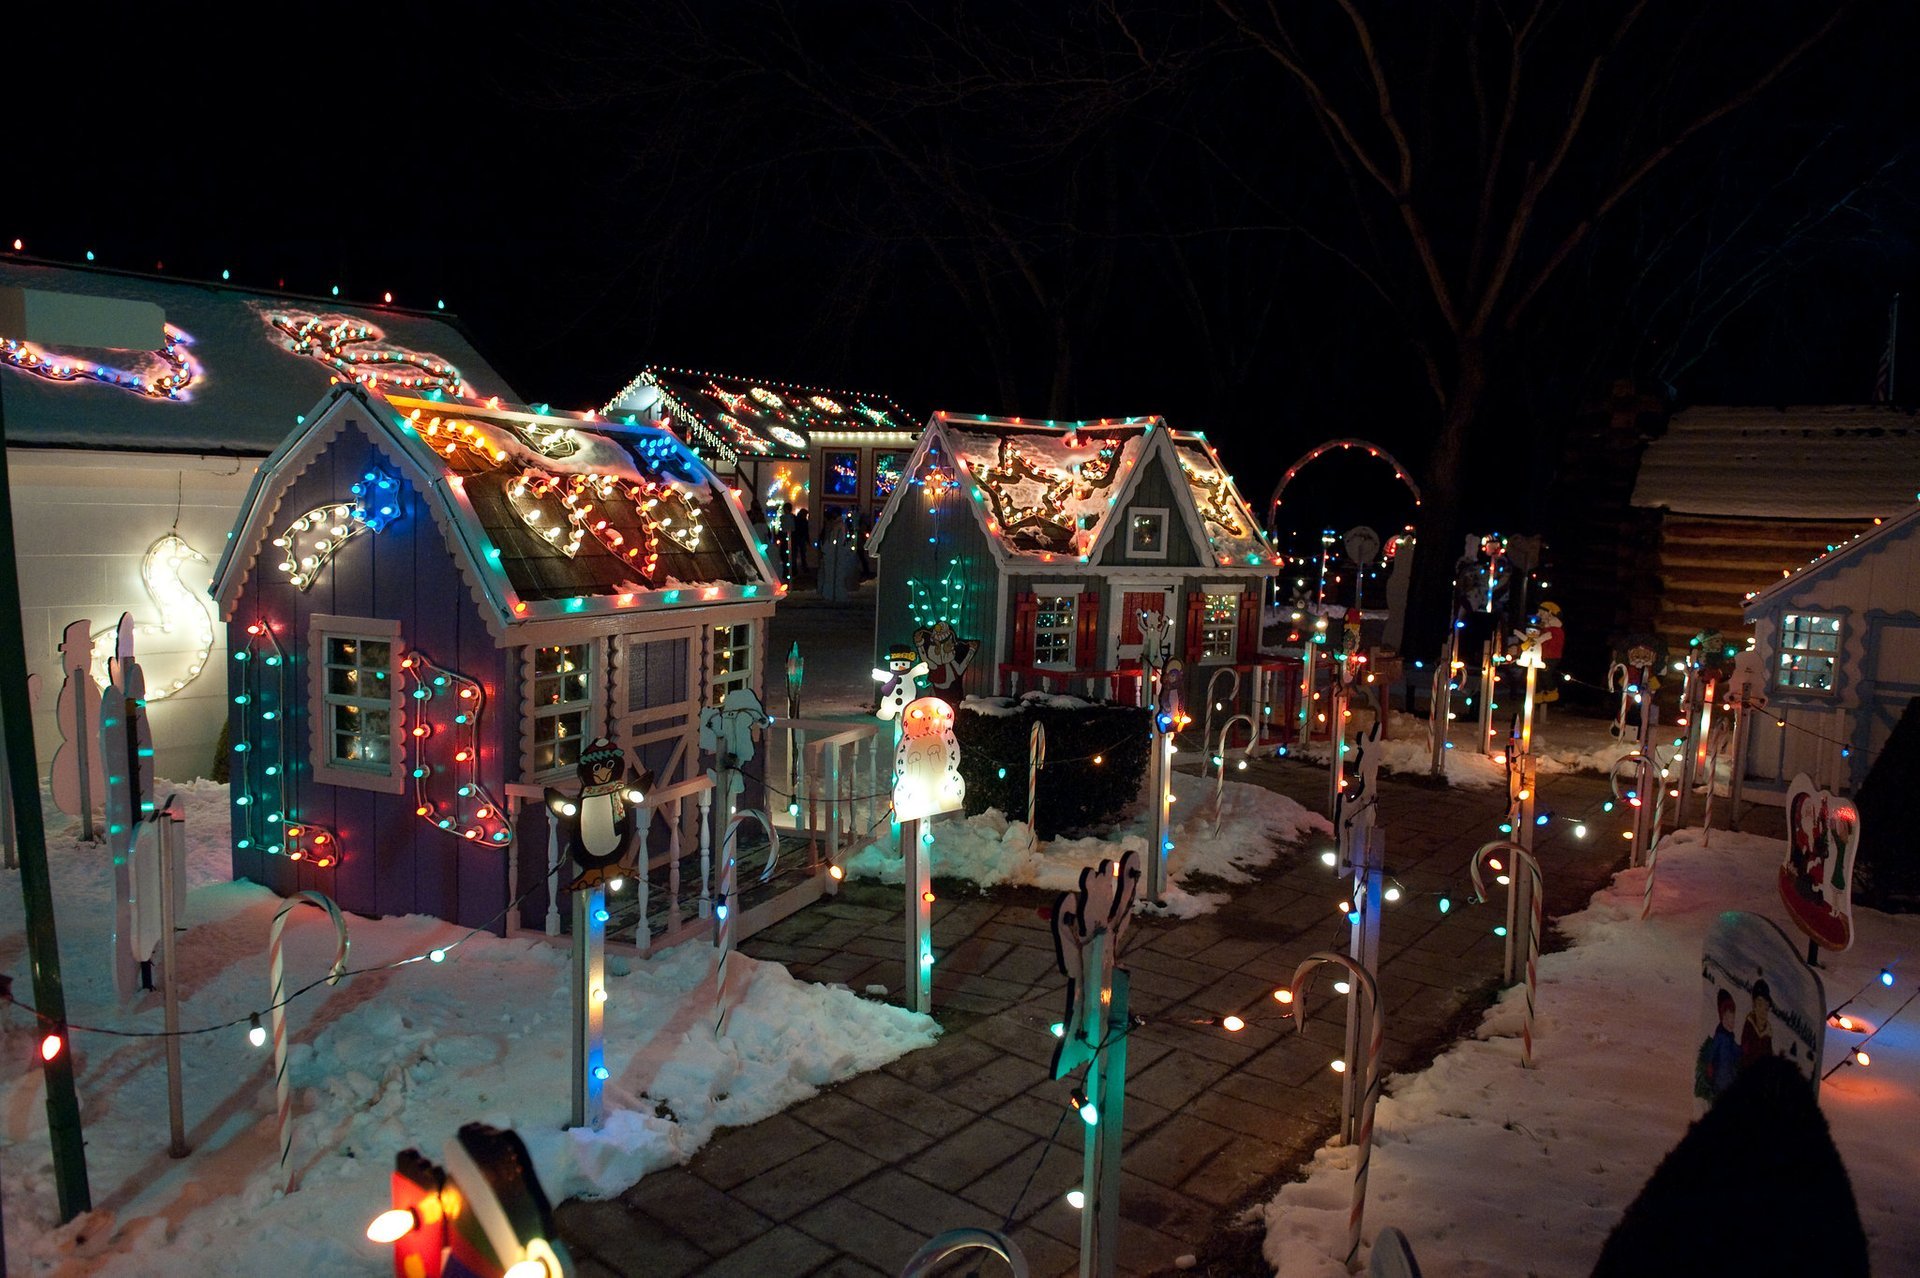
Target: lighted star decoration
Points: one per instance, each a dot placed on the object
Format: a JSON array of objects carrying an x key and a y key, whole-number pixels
[
  {"x": 359, "y": 352},
  {"x": 937, "y": 483},
  {"x": 165, "y": 374},
  {"x": 1217, "y": 499},
  {"x": 1029, "y": 499},
  {"x": 878, "y": 416}
]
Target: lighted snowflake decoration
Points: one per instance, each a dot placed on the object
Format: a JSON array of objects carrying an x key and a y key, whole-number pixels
[
  {"x": 791, "y": 438},
  {"x": 761, "y": 395}
]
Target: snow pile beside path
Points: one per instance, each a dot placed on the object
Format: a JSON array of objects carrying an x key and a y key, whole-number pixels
[
  {"x": 1494, "y": 1170},
  {"x": 1562, "y": 743},
  {"x": 988, "y": 849},
  {"x": 390, "y": 1059}
]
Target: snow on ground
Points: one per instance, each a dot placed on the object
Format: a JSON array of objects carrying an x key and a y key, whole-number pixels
[
  {"x": 1562, "y": 742},
  {"x": 394, "y": 1058},
  {"x": 989, "y": 849},
  {"x": 1494, "y": 1170}
]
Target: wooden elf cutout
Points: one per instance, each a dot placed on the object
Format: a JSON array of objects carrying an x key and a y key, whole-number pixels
[{"x": 597, "y": 825}]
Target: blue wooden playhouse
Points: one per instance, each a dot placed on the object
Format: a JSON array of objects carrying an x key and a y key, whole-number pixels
[{"x": 432, "y": 605}]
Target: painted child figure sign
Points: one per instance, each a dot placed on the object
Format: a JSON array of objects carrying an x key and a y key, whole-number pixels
[
  {"x": 1816, "y": 878},
  {"x": 1757, "y": 999},
  {"x": 946, "y": 657},
  {"x": 926, "y": 766},
  {"x": 597, "y": 825}
]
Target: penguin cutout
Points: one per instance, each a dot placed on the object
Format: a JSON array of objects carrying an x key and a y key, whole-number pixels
[{"x": 597, "y": 825}]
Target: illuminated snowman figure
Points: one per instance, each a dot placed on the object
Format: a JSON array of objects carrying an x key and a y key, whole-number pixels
[
  {"x": 597, "y": 825},
  {"x": 926, "y": 765}
]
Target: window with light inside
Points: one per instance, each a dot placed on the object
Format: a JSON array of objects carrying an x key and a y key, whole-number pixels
[
  {"x": 1809, "y": 651},
  {"x": 1219, "y": 626},
  {"x": 359, "y": 702},
  {"x": 1147, "y": 534},
  {"x": 562, "y": 706},
  {"x": 732, "y": 660},
  {"x": 1053, "y": 626}
]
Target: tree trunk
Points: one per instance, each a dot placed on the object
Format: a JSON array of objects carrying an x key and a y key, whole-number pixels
[{"x": 1438, "y": 524}]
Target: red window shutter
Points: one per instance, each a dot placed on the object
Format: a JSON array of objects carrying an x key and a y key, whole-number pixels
[
  {"x": 1025, "y": 609},
  {"x": 1086, "y": 631},
  {"x": 1196, "y": 616},
  {"x": 1250, "y": 624}
]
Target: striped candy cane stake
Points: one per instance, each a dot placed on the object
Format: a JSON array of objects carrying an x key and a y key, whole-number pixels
[
  {"x": 1376, "y": 1041},
  {"x": 727, "y": 906},
  {"x": 1036, "y": 755},
  {"x": 277, "y": 981},
  {"x": 1536, "y": 924}
]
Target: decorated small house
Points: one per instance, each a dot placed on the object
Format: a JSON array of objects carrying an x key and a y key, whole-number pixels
[
  {"x": 1839, "y": 642},
  {"x": 837, "y": 453},
  {"x": 432, "y": 605},
  {"x": 1046, "y": 541},
  {"x": 129, "y": 466}
]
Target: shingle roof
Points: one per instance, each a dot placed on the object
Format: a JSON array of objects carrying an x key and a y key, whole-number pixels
[
  {"x": 548, "y": 516},
  {"x": 241, "y": 366},
  {"x": 733, "y": 417},
  {"x": 1822, "y": 462}
]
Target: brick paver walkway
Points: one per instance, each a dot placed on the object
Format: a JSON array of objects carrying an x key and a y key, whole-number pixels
[{"x": 849, "y": 1183}]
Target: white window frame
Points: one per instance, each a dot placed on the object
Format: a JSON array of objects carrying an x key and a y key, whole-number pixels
[
  {"x": 1058, "y": 590},
  {"x": 390, "y": 779},
  {"x": 588, "y": 708},
  {"x": 1784, "y": 650},
  {"x": 741, "y": 676},
  {"x": 1166, "y": 528},
  {"x": 1233, "y": 629}
]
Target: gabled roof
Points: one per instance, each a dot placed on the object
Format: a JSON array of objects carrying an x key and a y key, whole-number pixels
[
  {"x": 1820, "y": 462},
  {"x": 1882, "y": 536},
  {"x": 734, "y": 417},
  {"x": 546, "y": 516},
  {"x": 239, "y": 365},
  {"x": 1042, "y": 491}
]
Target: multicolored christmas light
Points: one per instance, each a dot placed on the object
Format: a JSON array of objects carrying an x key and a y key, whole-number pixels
[
  {"x": 178, "y": 369},
  {"x": 359, "y": 352},
  {"x": 263, "y": 758},
  {"x": 445, "y": 736}
]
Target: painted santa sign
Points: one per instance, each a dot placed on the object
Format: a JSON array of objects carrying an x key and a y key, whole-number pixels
[
  {"x": 926, "y": 767},
  {"x": 1757, "y": 999},
  {"x": 1816, "y": 879}
]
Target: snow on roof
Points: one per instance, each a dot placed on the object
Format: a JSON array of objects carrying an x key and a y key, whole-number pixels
[
  {"x": 735, "y": 417},
  {"x": 1884, "y": 533},
  {"x": 239, "y": 366},
  {"x": 1821, "y": 462},
  {"x": 548, "y": 516},
  {"x": 1043, "y": 490}
]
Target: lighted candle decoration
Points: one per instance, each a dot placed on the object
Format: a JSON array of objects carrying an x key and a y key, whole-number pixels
[
  {"x": 445, "y": 737},
  {"x": 359, "y": 352},
  {"x": 167, "y": 374}
]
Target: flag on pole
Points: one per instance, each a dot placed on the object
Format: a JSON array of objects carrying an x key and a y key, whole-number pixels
[{"x": 1883, "y": 382}]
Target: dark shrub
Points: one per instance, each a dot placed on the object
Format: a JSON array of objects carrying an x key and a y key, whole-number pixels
[{"x": 1075, "y": 792}]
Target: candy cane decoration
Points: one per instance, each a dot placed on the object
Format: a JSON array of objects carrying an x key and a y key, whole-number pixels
[
  {"x": 1716, "y": 742},
  {"x": 1536, "y": 923},
  {"x": 1220, "y": 754},
  {"x": 1036, "y": 755},
  {"x": 968, "y": 1238},
  {"x": 277, "y": 1009},
  {"x": 1376, "y": 1039},
  {"x": 1217, "y": 702},
  {"x": 725, "y": 909},
  {"x": 1620, "y": 680}
]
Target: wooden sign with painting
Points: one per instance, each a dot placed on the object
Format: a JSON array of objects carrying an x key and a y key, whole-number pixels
[
  {"x": 1816, "y": 878},
  {"x": 1756, "y": 999}
]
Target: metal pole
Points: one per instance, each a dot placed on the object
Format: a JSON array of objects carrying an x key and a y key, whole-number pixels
[
  {"x": 1486, "y": 697},
  {"x": 36, "y": 889},
  {"x": 172, "y": 821},
  {"x": 83, "y": 752},
  {"x": 589, "y": 995},
  {"x": 917, "y": 876}
]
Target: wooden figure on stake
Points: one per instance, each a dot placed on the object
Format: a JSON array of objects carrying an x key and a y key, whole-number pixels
[
  {"x": 726, "y": 732},
  {"x": 926, "y": 782},
  {"x": 1089, "y": 924},
  {"x": 1816, "y": 877},
  {"x": 1757, "y": 999},
  {"x": 597, "y": 824},
  {"x": 899, "y": 682},
  {"x": 946, "y": 657},
  {"x": 75, "y": 776},
  {"x": 125, "y": 769}
]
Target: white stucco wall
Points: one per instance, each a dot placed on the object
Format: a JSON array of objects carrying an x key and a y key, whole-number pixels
[{"x": 82, "y": 524}]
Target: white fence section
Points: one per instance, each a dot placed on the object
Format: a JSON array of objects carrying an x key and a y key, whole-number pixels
[{"x": 830, "y": 782}]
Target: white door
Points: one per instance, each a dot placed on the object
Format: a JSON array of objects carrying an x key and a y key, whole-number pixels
[{"x": 1123, "y": 618}]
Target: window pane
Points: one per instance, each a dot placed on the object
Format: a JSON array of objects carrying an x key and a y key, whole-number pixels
[
  {"x": 341, "y": 651},
  {"x": 344, "y": 683},
  {"x": 373, "y": 653}
]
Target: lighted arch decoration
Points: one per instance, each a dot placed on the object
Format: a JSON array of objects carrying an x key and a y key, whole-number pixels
[{"x": 1320, "y": 450}]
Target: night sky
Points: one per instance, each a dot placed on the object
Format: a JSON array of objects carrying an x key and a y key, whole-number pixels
[{"x": 987, "y": 209}]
